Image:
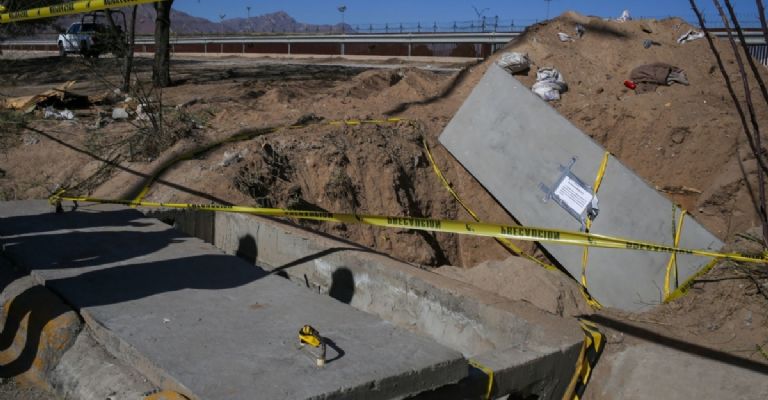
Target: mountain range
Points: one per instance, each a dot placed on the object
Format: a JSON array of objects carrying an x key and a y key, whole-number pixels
[{"x": 185, "y": 24}]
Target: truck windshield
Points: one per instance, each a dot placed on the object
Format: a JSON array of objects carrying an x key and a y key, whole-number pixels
[{"x": 75, "y": 28}]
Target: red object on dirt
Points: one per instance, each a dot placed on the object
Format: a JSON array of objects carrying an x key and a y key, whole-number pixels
[{"x": 630, "y": 84}]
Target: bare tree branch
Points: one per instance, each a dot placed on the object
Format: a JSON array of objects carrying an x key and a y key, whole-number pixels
[{"x": 752, "y": 113}]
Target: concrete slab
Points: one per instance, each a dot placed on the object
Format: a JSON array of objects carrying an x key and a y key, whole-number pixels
[
  {"x": 651, "y": 371},
  {"x": 531, "y": 352},
  {"x": 512, "y": 142},
  {"x": 209, "y": 325}
]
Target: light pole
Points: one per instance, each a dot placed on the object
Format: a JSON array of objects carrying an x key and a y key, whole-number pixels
[
  {"x": 342, "y": 8},
  {"x": 248, "y": 9},
  {"x": 548, "y": 2},
  {"x": 221, "y": 21}
]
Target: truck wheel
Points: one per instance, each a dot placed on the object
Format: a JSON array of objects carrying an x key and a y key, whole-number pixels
[{"x": 62, "y": 52}]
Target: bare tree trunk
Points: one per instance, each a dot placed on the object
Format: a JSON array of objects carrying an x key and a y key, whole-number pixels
[
  {"x": 128, "y": 65},
  {"x": 161, "y": 70}
]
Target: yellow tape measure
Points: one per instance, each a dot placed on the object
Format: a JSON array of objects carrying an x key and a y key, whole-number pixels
[{"x": 309, "y": 335}]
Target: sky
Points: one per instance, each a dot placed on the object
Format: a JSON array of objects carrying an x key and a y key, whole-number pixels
[{"x": 377, "y": 11}]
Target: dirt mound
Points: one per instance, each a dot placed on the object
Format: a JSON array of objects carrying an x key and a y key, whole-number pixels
[
  {"x": 683, "y": 139},
  {"x": 520, "y": 279}
]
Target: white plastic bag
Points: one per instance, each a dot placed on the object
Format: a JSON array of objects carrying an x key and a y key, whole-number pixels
[
  {"x": 690, "y": 36},
  {"x": 514, "y": 62},
  {"x": 624, "y": 16},
  {"x": 549, "y": 84},
  {"x": 546, "y": 90}
]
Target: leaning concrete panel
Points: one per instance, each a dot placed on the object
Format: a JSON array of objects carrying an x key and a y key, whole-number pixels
[
  {"x": 209, "y": 325},
  {"x": 513, "y": 142}
]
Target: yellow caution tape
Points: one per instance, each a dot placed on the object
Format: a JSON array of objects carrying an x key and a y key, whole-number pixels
[
  {"x": 247, "y": 136},
  {"x": 762, "y": 351},
  {"x": 590, "y": 353},
  {"x": 165, "y": 395},
  {"x": 524, "y": 233},
  {"x": 585, "y": 254},
  {"x": 487, "y": 371},
  {"x": 672, "y": 265},
  {"x": 504, "y": 242},
  {"x": 72, "y": 7},
  {"x": 686, "y": 286}
]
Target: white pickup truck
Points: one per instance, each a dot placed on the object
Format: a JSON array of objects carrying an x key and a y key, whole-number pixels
[{"x": 89, "y": 39}]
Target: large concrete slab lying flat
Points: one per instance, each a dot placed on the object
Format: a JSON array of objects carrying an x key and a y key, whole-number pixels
[
  {"x": 207, "y": 324},
  {"x": 513, "y": 142},
  {"x": 652, "y": 371}
]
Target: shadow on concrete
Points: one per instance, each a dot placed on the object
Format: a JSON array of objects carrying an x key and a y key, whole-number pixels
[
  {"x": 677, "y": 344},
  {"x": 96, "y": 268},
  {"x": 247, "y": 249},
  {"x": 339, "y": 352},
  {"x": 319, "y": 254},
  {"x": 10, "y": 227},
  {"x": 342, "y": 285},
  {"x": 42, "y": 249}
]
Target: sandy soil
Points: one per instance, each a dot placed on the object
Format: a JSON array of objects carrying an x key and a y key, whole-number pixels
[
  {"x": 678, "y": 136},
  {"x": 10, "y": 390}
]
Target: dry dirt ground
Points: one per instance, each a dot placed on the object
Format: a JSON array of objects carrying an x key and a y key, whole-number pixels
[
  {"x": 10, "y": 390},
  {"x": 678, "y": 136}
]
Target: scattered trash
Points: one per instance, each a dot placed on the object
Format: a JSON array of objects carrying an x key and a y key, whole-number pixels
[
  {"x": 120, "y": 113},
  {"x": 166, "y": 320},
  {"x": 647, "y": 43},
  {"x": 55, "y": 96},
  {"x": 52, "y": 113},
  {"x": 514, "y": 62},
  {"x": 29, "y": 140},
  {"x": 98, "y": 123},
  {"x": 564, "y": 37},
  {"x": 549, "y": 84},
  {"x": 646, "y": 28},
  {"x": 630, "y": 84},
  {"x": 140, "y": 114},
  {"x": 690, "y": 36},
  {"x": 108, "y": 97},
  {"x": 232, "y": 157},
  {"x": 580, "y": 30},
  {"x": 649, "y": 76},
  {"x": 624, "y": 17}
]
